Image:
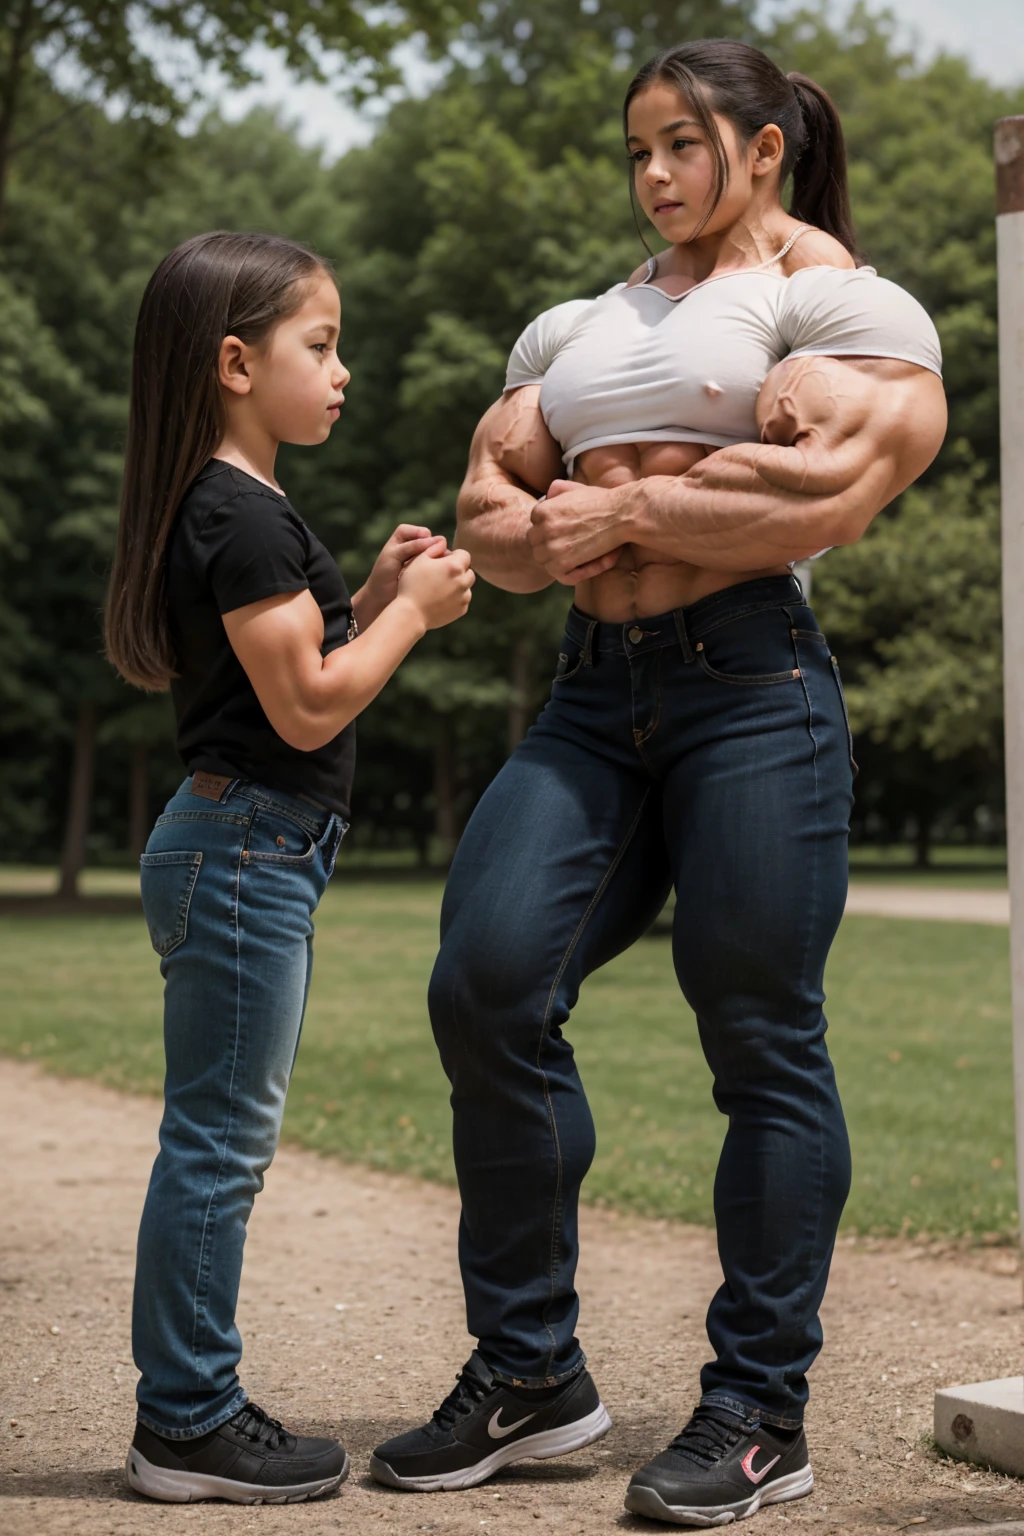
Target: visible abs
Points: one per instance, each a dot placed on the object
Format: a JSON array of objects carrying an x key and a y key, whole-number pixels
[{"x": 644, "y": 581}]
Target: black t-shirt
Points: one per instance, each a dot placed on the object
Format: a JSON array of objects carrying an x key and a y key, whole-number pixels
[{"x": 234, "y": 542}]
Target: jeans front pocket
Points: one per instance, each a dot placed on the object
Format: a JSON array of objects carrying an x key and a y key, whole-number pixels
[
  {"x": 275, "y": 838},
  {"x": 567, "y": 667},
  {"x": 751, "y": 650},
  {"x": 168, "y": 880}
]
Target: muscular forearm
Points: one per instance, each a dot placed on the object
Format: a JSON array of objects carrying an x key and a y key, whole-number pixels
[
  {"x": 755, "y": 506},
  {"x": 494, "y": 526}
]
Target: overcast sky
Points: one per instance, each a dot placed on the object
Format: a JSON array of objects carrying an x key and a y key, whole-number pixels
[{"x": 989, "y": 32}]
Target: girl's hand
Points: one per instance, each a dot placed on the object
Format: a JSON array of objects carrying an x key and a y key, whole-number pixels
[
  {"x": 439, "y": 584},
  {"x": 381, "y": 588}
]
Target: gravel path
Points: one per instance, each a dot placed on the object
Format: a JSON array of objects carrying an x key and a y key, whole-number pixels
[
  {"x": 352, "y": 1317},
  {"x": 936, "y": 902}
]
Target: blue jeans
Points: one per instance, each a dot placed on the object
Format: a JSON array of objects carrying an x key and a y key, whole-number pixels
[
  {"x": 229, "y": 888},
  {"x": 707, "y": 749}
]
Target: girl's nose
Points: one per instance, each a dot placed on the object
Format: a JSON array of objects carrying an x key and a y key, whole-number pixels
[
  {"x": 655, "y": 174},
  {"x": 341, "y": 375}
]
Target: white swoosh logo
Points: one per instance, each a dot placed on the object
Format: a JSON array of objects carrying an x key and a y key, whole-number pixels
[
  {"x": 748, "y": 1466},
  {"x": 495, "y": 1430}
]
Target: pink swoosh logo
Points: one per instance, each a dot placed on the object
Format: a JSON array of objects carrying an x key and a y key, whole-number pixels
[{"x": 748, "y": 1466}]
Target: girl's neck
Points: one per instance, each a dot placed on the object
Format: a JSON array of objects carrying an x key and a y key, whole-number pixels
[
  {"x": 253, "y": 458},
  {"x": 754, "y": 238}
]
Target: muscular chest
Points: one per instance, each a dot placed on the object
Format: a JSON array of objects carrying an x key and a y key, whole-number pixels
[{"x": 638, "y": 365}]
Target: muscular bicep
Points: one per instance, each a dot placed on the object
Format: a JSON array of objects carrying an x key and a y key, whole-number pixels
[
  {"x": 857, "y": 429},
  {"x": 278, "y": 642},
  {"x": 513, "y": 443}
]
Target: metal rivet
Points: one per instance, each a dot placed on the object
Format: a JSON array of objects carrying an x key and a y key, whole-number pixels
[
  {"x": 280, "y": 842},
  {"x": 636, "y": 634},
  {"x": 700, "y": 645},
  {"x": 833, "y": 658},
  {"x": 793, "y": 633}
]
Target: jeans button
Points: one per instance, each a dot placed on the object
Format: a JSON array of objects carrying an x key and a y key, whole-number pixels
[{"x": 636, "y": 634}]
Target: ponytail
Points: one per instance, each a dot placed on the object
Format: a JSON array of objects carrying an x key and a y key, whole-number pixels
[
  {"x": 719, "y": 74},
  {"x": 821, "y": 190}
]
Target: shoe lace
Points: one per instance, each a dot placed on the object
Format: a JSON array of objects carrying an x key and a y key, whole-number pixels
[
  {"x": 256, "y": 1425},
  {"x": 709, "y": 1436},
  {"x": 468, "y": 1391}
]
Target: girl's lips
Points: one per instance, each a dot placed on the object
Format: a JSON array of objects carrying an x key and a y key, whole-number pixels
[{"x": 666, "y": 207}]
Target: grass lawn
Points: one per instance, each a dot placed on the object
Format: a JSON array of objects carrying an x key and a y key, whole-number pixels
[{"x": 920, "y": 1034}]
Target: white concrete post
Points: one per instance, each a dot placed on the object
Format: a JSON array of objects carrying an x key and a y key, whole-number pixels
[
  {"x": 984, "y": 1423},
  {"x": 1010, "y": 238}
]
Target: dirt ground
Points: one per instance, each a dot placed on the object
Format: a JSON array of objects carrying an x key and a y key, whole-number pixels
[{"x": 352, "y": 1317}]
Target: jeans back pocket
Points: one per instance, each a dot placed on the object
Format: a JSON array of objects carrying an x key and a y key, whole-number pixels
[{"x": 168, "y": 880}]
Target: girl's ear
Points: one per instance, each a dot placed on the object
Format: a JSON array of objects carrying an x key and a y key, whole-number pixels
[
  {"x": 232, "y": 372},
  {"x": 768, "y": 147}
]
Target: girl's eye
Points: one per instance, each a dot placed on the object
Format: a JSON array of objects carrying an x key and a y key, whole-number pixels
[
  {"x": 637, "y": 155},
  {"x": 321, "y": 347},
  {"x": 682, "y": 143}
]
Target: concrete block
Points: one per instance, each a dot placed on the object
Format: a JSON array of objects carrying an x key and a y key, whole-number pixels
[{"x": 983, "y": 1423}]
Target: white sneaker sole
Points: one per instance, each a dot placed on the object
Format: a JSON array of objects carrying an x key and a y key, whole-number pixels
[
  {"x": 173, "y": 1487},
  {"x": 550, "y": 1442},
  {"x": 646, "y": 1501}
]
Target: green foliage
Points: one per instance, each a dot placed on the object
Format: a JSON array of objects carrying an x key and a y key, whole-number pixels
[
  {"x": 919, "y": 1032},
  {"x": 500, "y": 193},
  {"x": 914, "y": 601}
]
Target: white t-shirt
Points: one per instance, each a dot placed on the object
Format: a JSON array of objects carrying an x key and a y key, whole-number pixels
[{"x": 637, "y": 365}]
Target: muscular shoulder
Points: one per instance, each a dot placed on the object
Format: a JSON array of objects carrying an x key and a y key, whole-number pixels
[{"x": 817, "y": 249}]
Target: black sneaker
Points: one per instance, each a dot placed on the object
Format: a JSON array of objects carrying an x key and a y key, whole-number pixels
[
  {"x": 721, "y": 1468},
  {"x": 482, "y": 1426},
  {"x": 251, "y": 1459}
]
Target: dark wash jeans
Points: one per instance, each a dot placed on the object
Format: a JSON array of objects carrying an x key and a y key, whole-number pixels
[
  {"x": 229, "y": 888},
  {"x": 707, "y": 748}
]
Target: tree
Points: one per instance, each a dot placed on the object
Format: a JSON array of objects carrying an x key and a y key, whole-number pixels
[
  {"x": 145, "y": 59},
  {"x": 471, "y": 211},
  {"x": 915, "y": 609}
]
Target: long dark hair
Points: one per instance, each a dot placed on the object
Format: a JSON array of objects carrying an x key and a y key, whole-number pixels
[
  {"x": 212, "y": 286},
  {"x": 721, "y": 75}
]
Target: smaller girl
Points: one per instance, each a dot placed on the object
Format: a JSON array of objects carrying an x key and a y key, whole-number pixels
[{"x": 220, "y": 592}]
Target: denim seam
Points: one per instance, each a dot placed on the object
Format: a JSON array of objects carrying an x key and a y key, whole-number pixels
[
  {"x": 751, "y": 1411},
  {"x": 261, "y": 799},
  {"x": 204, "y": 1261},
  {"x": 193, "y": 1433},
  {"x": 573, "y": 942},
  {"x": 184, "y": 907},
  {"x": 641, "y": 736},
  {"x": 743, "y": 680},
  {"x": 814, "y": 895},
  {"x": 698, "y": 630}
]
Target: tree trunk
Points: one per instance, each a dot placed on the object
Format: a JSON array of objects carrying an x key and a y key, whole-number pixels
[
  {"x": 923, "y": 843},
  {"x": 138, "y": 800},
  {"x": 10, "y": 85},
  {"x": 519, "y": 701},
  {"x": 76, "y": 828},
  {"x": 444, "y": 788}
]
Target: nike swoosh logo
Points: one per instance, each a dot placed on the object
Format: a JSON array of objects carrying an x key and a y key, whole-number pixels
[
  {"x": 498, "y": 1432},
  {"x": 748, "y": 1466}
]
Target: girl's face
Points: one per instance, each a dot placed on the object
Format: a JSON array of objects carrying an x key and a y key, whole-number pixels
[
  {"x": 674, "y": 165},
  {"x": 294, "y": 381}
]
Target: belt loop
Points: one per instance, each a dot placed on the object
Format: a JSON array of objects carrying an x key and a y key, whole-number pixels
[
  {"x": 588, "y": 644},
  {"x": 684, "y": 639}
]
